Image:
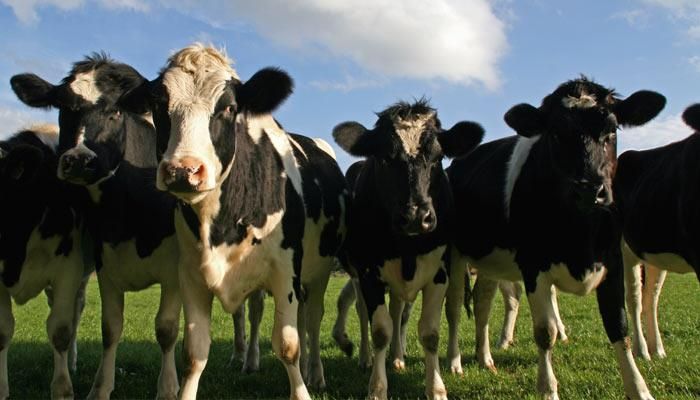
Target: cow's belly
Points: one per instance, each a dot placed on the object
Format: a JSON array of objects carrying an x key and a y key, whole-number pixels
[
  {"x": 560, "y": 276},
  {"x": 427, "y": 265},
  {"x": 128, "y": 272},
  {"x": 669, "y": 261},
  {"x": 498, "y": 265}
]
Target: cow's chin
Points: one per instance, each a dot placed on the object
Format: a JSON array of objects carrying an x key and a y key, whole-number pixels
[{"x": 192, "y": 198}]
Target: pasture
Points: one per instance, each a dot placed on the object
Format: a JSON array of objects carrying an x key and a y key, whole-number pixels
[{"x": 585, "y": 367}]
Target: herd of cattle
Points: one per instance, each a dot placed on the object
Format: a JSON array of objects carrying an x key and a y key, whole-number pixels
[{"x": 187, "y": 181}]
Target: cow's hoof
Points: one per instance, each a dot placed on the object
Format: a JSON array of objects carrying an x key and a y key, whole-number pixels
[
  {"x": 437, "y": 394},
  {"x": 399, "y": 365},
  {"x": 505, "y": 344}
]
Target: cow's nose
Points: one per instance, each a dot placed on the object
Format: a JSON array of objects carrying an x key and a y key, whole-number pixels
[
  {"x": 602, "y": 197},
  {"x": 78, "y": 165},
  {"x": 184, "y": 175},
  {"x": 427, "y": 218}
]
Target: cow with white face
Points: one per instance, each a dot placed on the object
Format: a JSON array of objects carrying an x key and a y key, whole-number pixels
[
  {"x": 260, "y": 208},
  {"x": 401, "y": 225},
  {"x": 40, "y": 238},
  {"x": 537, "y": 207}
]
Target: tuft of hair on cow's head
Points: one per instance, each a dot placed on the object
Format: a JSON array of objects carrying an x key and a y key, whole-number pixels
[{"x": 691, "y": 116}]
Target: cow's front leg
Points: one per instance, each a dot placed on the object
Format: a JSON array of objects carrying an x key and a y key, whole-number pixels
[
  {"x": 611, "y": 304},
  {"x": 60, "y": 330},
  {"x": 239, "y": 339},
  {"x": 429, "y": 333},
  {"x": 365, "y": 356},
  {"x": 373, "y": 293},
  {"x": 314, "y": 317},
  {"x": 654, "y": 281},
  {"x": 484, "y": 292},
  {"x": 511, "y": 292},
  {"x": 453, "y": 310},
  {"x": 396, "y": 307},
  {"x": 544, "y": 323},
  {"x": 167, "y": 329},
  {"x": 7, "y": 330},
  {"x": 112, "y": 300},
  {"x": 197, "y": 303},
  {"x": 77, "y": 313},
  {"x": 339, "y": 333},
  {"x": 256, "y": 306}
]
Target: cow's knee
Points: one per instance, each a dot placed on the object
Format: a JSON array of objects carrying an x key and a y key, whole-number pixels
[
  {"x": 545, "y": 335},
  {"x": 380, "y": 337},
  {"x": 61, "y": 338},
  {"x": 430, "y": 341},
  {"x": 289, "y": 345},
  {"x": 166, "y": 334}
]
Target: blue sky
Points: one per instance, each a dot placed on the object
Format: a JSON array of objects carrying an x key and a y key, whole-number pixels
[{"x": 349, "y": 58}]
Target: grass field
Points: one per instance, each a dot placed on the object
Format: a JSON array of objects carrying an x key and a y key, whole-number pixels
[{"x": 585, "y": 367}]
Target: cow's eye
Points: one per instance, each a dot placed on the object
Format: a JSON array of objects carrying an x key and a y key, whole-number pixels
[{"x": 230, "y": 109}]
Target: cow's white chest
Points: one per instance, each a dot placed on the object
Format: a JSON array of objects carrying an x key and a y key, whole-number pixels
[
  {"x": 427, "y": 265},
  {"x": 41, "y": 266},
  {"x": 669, "y": 261},
  {"x": 561, "y": 277},
  {"x": 123, "y": 267},
  {"x": 498, "y": 265}
]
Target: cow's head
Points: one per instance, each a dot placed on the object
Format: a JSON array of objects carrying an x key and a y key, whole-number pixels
[
  {"x": 19, "y": 167},
  {"x": 198, "y": 105},
  {"x": 578, "y": 123},
  {"x": 691, "y": 116},
  {"x": 93, "y": 129},
  {"x": 405, "y": 149}
]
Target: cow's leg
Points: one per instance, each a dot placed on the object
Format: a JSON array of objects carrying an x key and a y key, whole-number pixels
[
  {"x": 285, "y": 337},
  {"x": 396, "y": 306},
  {"x": 339, "y": 333},
  {"x": 7, "y": 330},
  {"x": 654, "y": 281},
  {"x": 429, "y": 334},
  {"x": 303, "y": 340},
  {"x": 363, "y": 316},
  {"x": 197, "y": 303},
  {"x": 167, "y": 329},
  {"x": 561, "y": 329},
  {"x": 373, "y": 293},
  {"x": 59, "y": 327},
  {"x": 256, "y": 305},
  {"x": 453, "y": 310},
  {"x": 633, "y": 290},
  {"x": 239, "y": 339},
  {"x": 314, "y": 316},
  {"x": 484, "y": 292},
  {"x": 511, "y": 292},
  {"x": 611, "y": 304},
  {"x": 112, "y": 324},
  {"x": 405, "y": 317},
  {"x": 544, "y": 324},
  {"x": 77, "y": 313}
]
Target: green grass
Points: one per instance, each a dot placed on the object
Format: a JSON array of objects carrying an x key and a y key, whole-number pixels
[{"x": 585, "y": 367}]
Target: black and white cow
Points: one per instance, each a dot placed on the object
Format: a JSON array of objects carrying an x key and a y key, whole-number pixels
[
  {"x": 40, "y": 239},
  {"x": 657, "y": 196},
  {"x": 261, "y": 208},
  {"x": 400, "y": 226},
  {"x": 536, "y": 207}
]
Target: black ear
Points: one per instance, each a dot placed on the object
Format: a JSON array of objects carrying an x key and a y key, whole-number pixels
[
  {"x": 462, "y": 138},
  {"x": 355, "y": 139},
  {"x": 525, "y": 120},
  {"x": 264, "y": 91},
  {"x": 32, "y": 90},
  {"x": 639, "y": 108},
  {"x": 137, "y": 99},
  {"x": 22, "y": 163},
  {"x": 691, "y": 116}
]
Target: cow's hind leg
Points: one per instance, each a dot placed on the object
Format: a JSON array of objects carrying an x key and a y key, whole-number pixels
[
  {"x": 365, "y": 358},
  {"x": 653, "y": 282},
  {"x": 112, "y": 324},
  {"x": 167, "y": 329},
  {"x": 453, "y": 310},
  {"x": 561, "y": 329},
  {"x": 633, "y": 290},
  {"x": 314, "y": 316},
  {"x": 429, "y": 333},
  {"x": 511, "y": 292},
  {"x": 484, "y": 292},
  {"x": 59, "y": 327},
  {"x": 7, "y": 330},
  {"x": 396, "y": 307},
  {"x": 256, "y": 306},
  {"x": 339, "y": 333},
  {"x": 239, "y": 339}
]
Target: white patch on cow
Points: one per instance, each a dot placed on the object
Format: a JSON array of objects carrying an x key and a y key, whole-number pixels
[
  {"x": 47, "y": 133},
  {"x": 635, "y": 387},
  {"x": 584, "y": 101},
  {"x": 561, "y": 277},
  {"x": 669, "y": 261},
  {"x": 271, "y": 223},
  {"x": 85, "y": 86},
  {"x": 427, "y": 265},
  {"x": 498, "y": 265},
  {"x": 298, "y": 146},
  {"x": 520, "y": 154},
  {"x": 323, "y": 145},
  {"x": 281, "y": 141},
  {"x": 410, "y": 131}
]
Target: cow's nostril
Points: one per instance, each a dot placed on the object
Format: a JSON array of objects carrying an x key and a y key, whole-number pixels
[{"x": 602, "y": 195}]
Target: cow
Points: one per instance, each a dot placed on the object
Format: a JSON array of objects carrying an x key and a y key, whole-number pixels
[
  {"x": 40, "y": 239},
  {"x": 536, "y": 207},
  {"x": 656, "y": 196},
  {"x": 400, "y": 226},
  {"x": 258, "y": 207},
  {"x": 643, "y": 283}
]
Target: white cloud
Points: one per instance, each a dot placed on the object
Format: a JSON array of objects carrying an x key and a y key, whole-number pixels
[
  {"x": 348, "y": 84},
  {"x": 12, "y": 119},
  {"x": 635, "y": 18},
  {"x": 695, "y": 62},
  {"x": 658, "y": 132},
  {"x": 27, "y": 10},
  {"x": 683, "y": 10}
]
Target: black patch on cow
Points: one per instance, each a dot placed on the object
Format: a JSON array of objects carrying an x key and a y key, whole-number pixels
[
  {"x": 293, "y": 223},
  {"x": 440, "y": 277},
  {"x": 408, "y": 266},
  {"x": 290, "y": 297},
  {"x": 190, "y": 218},
  {"x": 256, "y": 241}
]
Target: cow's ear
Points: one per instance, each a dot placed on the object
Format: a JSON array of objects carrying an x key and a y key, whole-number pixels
[
  {"x": 525, "y": 119},
  {"x": 22, "y": 163},
  {"x": 639, "y": 108},
  {"x": 137, "y": 99},
  {"x": 33, "y": 90},
  {"x": 691, "y": 116},
  {"x": 264, "y": 91},
  {"x": 354, "y": 138},
  {"x": 462, "y": 138}
]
